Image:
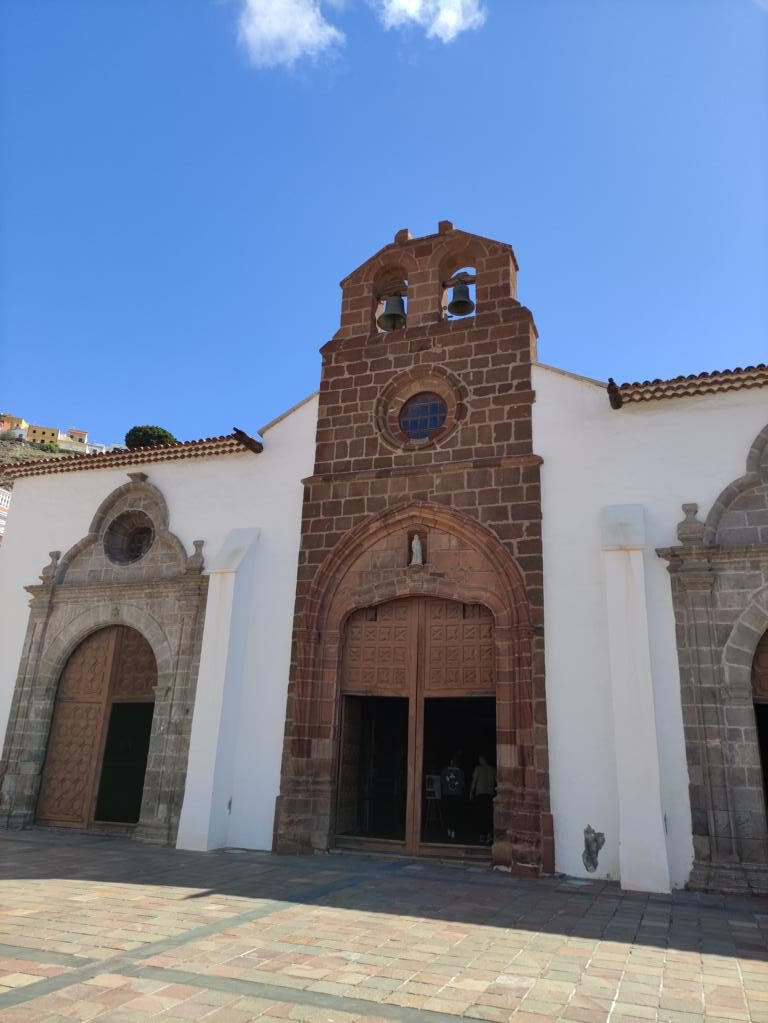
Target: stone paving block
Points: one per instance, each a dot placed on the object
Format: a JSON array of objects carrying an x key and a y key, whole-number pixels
[
  {"x": 674, "y": 1016},
  {"x": 542, "y": 1007}
]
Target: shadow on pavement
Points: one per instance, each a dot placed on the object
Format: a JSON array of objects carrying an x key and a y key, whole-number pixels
[{"x": 707, "y": 923}]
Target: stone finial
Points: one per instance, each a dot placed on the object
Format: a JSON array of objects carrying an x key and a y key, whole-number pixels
[
  {"x": 195, "y": 561},
  {"x": 403, "y": 236},
  {"x": 444, "y": 227},
  {"x": 690, "y": 531},
  {"x": 49, "y": 572},
  {"x": 137, "y": 477}
]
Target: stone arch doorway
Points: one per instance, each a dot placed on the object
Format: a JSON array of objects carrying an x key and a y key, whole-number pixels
[
  {"x": 463, "y": 561},
  {"x": 418, "y": 700},
  {"x": 98, "y": 744}
]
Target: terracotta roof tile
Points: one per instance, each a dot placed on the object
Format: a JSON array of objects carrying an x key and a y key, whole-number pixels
[
  {"x": 231, "y": 444},
  {"x": 718, "y": 381}
]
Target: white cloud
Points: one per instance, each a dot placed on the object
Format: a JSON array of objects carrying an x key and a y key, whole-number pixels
[
  {"x": 444, "y": 19},
  {"x": 282, "y": 31}
]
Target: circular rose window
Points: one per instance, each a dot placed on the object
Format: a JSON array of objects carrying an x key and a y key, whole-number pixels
[
  {"x": 423, "y": 415},
  {"x": 420, "y": 408},
  {"x": 128, "y": 537}
]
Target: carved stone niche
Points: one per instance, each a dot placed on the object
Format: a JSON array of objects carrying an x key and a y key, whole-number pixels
[
  {"x": 152, "y": 586},
  {"x": 416, "y": 554}
]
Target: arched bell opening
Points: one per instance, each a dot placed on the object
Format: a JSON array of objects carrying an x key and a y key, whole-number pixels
[
  {"x": 392, "y": 307},
  {"x": 760, "y": 704},
  {"x": 390, "y": 293},
  {"x": 96, "y": 756},
  {"x": 459, "y": 294}
]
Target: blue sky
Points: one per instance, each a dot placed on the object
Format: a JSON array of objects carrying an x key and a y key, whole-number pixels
[{"x": 184, "y": 183}]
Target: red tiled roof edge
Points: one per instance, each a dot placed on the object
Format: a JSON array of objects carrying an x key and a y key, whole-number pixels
[
  {"x": 717, "y": 381},
  {"x": 231, "y": 444}
]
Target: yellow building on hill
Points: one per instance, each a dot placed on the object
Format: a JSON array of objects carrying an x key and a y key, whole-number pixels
[{"x": 42, "y": 434}]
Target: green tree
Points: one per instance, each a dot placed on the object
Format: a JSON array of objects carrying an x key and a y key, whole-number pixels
[
  {"x": 148, "y": 437},
  {"x": 49, "y": 445}
]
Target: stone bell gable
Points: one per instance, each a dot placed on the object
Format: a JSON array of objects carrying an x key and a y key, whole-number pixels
[
  {"x": 467, "y": 485},
  {"x": 480, "y": 364}
]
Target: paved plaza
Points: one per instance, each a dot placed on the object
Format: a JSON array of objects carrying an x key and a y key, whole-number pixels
[{"x": 101, "y": 928}]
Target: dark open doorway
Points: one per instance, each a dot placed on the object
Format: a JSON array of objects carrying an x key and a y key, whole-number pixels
[
  {"x": 125, "y": 763},
  {"x": 761, "y": 720},
  {"x": 373, "y": 772},
  {"x": 457, "y": 732}
]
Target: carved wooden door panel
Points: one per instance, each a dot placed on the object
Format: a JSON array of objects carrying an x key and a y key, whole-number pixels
[
  {"x": 74, "y": 743},
  {"x": 380, "y": 649},
  {"x": 458, "y": 649},
  {"x": 113, "y": 665},
  {"x": 135, "y": 672}
]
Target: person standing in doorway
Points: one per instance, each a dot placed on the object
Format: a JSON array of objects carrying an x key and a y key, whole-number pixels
[
  {"x": 481, "y": 792},
  {"x": 452, "y": 787}
]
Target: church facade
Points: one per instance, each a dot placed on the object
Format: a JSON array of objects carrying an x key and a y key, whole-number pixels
[{"x": 453, "y": 564}]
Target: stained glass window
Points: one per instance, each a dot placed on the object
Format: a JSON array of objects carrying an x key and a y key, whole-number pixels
[{"x": 422, "y": 415}]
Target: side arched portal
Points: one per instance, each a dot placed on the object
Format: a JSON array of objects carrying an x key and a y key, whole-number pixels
[
  {"x": 131, "y": 574},
  {"x": 97, "y": 748},
  {"x": 719, "y": 576}
]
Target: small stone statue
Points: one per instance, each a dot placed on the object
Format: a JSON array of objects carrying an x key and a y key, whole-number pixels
[{"x": 417, "y": 553}]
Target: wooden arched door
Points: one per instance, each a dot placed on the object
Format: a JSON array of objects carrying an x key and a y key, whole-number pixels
[
  {"x": 417, "y": 691},
  {"x": 99, "y": 739}
]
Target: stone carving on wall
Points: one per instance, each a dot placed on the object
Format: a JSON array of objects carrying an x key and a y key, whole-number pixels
[
  {"x": 162, "y": 596},
  {"x": 593, "y": 843},
  {"x": 719, "y": 577}
]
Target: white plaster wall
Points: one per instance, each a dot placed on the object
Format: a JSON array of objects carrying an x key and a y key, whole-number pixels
[
  {"x": 658, "y": 455},
  {"x": 207, "y": 498}
]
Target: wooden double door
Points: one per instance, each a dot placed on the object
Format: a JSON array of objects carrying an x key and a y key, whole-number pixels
[
  {"x": 99, "y": 738},
  {"x": 417, "y": 690}
]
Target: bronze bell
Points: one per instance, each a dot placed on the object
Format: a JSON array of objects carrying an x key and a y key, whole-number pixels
[
  {"x": 393, "y": 317},
  {"x": 461, "y": 304}
]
